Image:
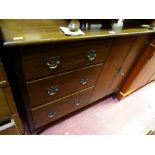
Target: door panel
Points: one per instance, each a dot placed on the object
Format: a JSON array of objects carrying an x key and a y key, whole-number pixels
[
  {"x": 130, "y": 61},
  {"x": 117, "y": 54}
]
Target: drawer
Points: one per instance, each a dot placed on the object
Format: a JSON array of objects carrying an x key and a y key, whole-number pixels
[
  {"x": 9, "y": 128},
  {"x": 2, "y": 76},
  {"x": 48, "y": 89},
  {"x": 4, "y": 108},
  {"x": 54, "y": 110},
  {"x": 41, "y": 61}
]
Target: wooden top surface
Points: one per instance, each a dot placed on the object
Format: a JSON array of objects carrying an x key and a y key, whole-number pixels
[{"x": 23, "y": 32}]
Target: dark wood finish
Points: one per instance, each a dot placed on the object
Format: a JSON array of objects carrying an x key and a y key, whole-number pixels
[
  {"x": 19, "y": 88},
  {"x": 135, "y": 52},
  {"x": 62, "y": 107},
  {"x": 26, "y": 32},
  {"x": 67, "y": 83},
  {"x": 140, "y": 74},
  {"x": 33, "y": 59},
  {"x": 118, "y": 52},
  {"x": 5, "y": 112},
  {"x": 26, "y": 43}
]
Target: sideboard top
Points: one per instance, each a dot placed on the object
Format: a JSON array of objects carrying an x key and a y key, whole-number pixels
[{"x": 22, "y": 32}]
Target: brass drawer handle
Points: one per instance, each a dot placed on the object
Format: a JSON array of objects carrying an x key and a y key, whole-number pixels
[
  {"x": 91, "y": 55},
  {"x": 77, "y": 102},
  {"x": 51, "y": 114},
  {"x": 53, "y": 90},
  {"x": 83, "y": 80},
  {"x": 122, "y": 72},
  {"x": 52, "y": 62}
]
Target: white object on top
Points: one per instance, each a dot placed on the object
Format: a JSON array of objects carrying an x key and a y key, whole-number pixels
[{"x": 67, "y": 31}]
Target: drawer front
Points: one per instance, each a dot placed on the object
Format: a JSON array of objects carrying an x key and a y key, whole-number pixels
[
  {"x": 2, "y": 76},
  {"x": 10, "y": 131},
  {"x": 44, "y": 61},
  {"x": 48, "y": 89},
  {"x": 4, "y": 108},
  {"x": 54, "y": 110},
  {"x": 8, "y": 128}
]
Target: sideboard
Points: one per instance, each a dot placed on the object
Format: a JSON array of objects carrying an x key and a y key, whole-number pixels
[{"x": 55, "y": 75}]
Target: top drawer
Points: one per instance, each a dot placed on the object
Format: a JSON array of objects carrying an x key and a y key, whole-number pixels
[{"x": 45, "y": 60}]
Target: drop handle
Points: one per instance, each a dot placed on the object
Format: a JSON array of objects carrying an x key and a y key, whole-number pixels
[
  {"x": 83, "y": 80},
  {"x": 53, "y": 90},
  {"x": 91, "y": 55},
  {"x": 121, "y": 71},
  {"x": 51, "y": 114},
  {"x": 52, "y": 62}
]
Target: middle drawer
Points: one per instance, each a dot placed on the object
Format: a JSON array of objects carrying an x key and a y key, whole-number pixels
[{"x": 48, "y": 89}]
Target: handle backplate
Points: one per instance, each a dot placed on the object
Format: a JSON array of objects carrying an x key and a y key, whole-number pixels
[{"x": 52, "y": 62}]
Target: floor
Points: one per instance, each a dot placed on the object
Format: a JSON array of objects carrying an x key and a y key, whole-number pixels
[{"x": 133, "y": 115}]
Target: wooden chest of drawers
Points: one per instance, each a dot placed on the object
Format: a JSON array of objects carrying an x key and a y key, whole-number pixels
[
  {"x": 53, "y": 75},
  {"x": 58, "y": 79}
]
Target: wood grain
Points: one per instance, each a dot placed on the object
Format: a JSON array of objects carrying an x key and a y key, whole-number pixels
[
  {"x": 8, "y": 106},
  {"x": 145, "y": 75},
  {"x": 70, "y": 56},
  {"x": 62, "y": 107},
  {"x": 26, "y": 32},
  {"x": 28, "y": 42},
  {"x": 67, "y": 83},
  {"x": 130, "y": 61},
  {"x": 139, "y": 65},
  {"x": 118, "y": 52},
  {"x": 5, "y": 112}
]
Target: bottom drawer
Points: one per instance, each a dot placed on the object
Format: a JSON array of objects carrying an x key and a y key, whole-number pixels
[
  {"x": 4, "y": 108},
  {"x": 9, "y": 128},
  {"x": 47, "y": 113}
]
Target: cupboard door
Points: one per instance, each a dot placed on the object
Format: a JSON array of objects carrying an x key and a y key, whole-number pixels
[
  {"x": 117, "y": 54},
  {"x": 130, "y": 61}
]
